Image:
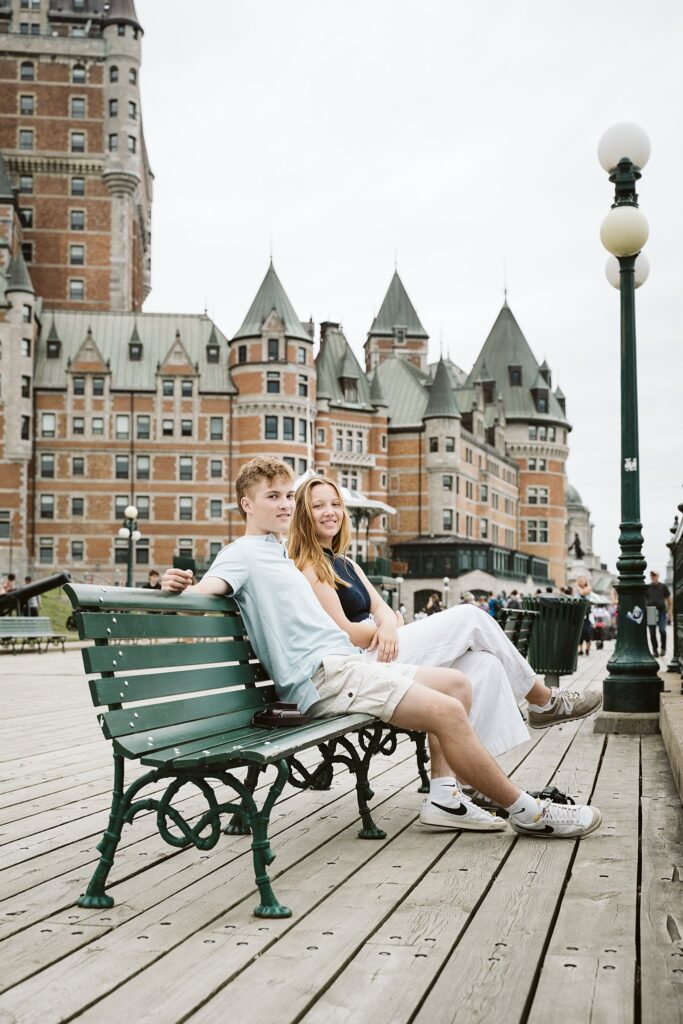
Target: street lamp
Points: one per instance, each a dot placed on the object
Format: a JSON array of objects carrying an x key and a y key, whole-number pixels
[
  {"x": 446, "y": 581},
  {"x": 632, "y": 683},
  {"x": 129, "y": 531}
]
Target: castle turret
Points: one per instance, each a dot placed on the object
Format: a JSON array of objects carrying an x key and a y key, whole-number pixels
[{"x": 396, "y": 330}]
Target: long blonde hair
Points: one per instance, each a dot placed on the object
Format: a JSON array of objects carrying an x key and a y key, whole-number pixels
[{"x": 303, "y": 544}]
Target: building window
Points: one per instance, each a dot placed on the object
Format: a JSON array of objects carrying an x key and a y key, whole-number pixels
[
  {"x": 537, "y": 531},
  {"x": 349, "y": 440},
  {"x": 350, "y": 389},
  {"x": 79, "y": 385},
  {"x": 142, "y": 505},
  {"x": 433, "y": 444},
  {"x": 320, "y": 435},
  {"x": 122, "y": 427},
  {"x": 537, "y": 495},
  {"x": 26, "y": 347},
  {"x": 27, "y": 71},
  {"x": 142, "y": 429},
  {"x": 303, "y": 385},
  {"x": 447, "y": 482},
  {"x": 122, "y": 467},
  {"x": 359, "y": 442},
  {"x": 78, "y": 186},
  {"x": 26, "y": 215},
  {"x": 113, "y": 142},
  {"x": 270, "y": 428},
  {"x": 4, "y": 523},
  {"x": 186, "y": 428},
  {"x": 77, "y": 220},
  {"x": 120, "y": 504},
  {"x": 113, "y": 107},
  {"x": 289, "y": 461},
  {"x": 185, "y": 467},
  {"x": 113, "y": 73},
  {"x": 48, "y": 422},
  {"x": 215, "y": 469},
  {"x": 167, "y": 387},
  {"x": 134, "y": 351},
  {"x": 542, "y": 403},
  {"x": 483, "y": 529},
  {"x": 47, "y": 466},
  {"x": 78, "y": 466},
  {"x": 515, "y": 375},
  {"x": 273, "y": 350},
  {"x": 339, "y": 441},
  {"x": 214, "y": 549},
  {"x": 494, "y": 499},
  {"x": 76, "y": 255},
  {"x": 449, "y": 444},
  {"x": 216, "y": 428},
  {"x": 132, "y": 76},
  {"x": 287, "y": 428},
  {"x": 242, "y": 354},
  {"x": 77, "y": 506},
  {"x": 551, "y": 433},
  {"x": 26, "y": 184},
  {"x": 25, "y": 428},
  {"x": 78, "y": 425},
  {"x": 77, "y": 106},
  {"x": 27, "y": 105},
  {"x": 533, "y": 433},
  {"x": 167, "y": 428},
  {"x": 303, "y": 431},
  {"x": 27, "y": 251},
  {"x": 186, "y": 388},
  {"x": 78, "y": 74},
  {"x": 303, "y": 466},
  {"x": 447, "y": 519},
  {"x": 121, "y": 30},
  {"x": 212, "y": 353},
  {"x": 185, "y": 509},
  {"x": 132, "y": 110},
  {"x": 26, "y": 313},
  {"x": 215, "y": 508},
  {"x": 77, "y": 290},
  {"x": 25, "y": 138},
  {"x": 97, "y": 426},
  {"x": 46, "y": 550},
  {"x": 273, "y": 382},
  {"x": 47, "y": 506},
  {"x": 132, "y": 144},
  {"x": 142, "y": 463},
  {"x": 98, "y": 386},
  {"x": 383, "y": 480},
  {"x": 301, "y": 355}
]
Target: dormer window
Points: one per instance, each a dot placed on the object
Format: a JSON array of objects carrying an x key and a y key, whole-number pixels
[
  {"x": 350, "y": 388},
  {"x": 400, "y": 335},
  {"x": 135, "y": 351},
  {"x": 488, "y": 387},
  {"x": 273, "y": 350},
  {"x": 212, "y": 353},
  {"x": 541, "y": 399},
  {"x": 515, "y": 376},
  {"x": 54, "y": 347}
]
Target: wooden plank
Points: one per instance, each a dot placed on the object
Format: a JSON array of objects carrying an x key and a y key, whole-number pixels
[
  {"x": 150, "y": 685},
  {"x": 661, "y": 905},
  {"x": 112, "y": 625},
  {"x": 137, "y": 599},
  {"x": 121, "y": 657},
  {"x": 589, "y": 970}
]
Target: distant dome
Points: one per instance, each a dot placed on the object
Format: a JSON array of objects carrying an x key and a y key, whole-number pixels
[{"x": 573, "y": 496}]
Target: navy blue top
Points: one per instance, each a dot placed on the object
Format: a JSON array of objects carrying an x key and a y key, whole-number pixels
[{"x": 354, "y": 599}]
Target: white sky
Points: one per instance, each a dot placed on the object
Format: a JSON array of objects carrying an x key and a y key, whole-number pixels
[{"x": 461, "y": 135}]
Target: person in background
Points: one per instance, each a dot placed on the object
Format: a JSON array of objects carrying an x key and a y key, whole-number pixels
[
  {"x": 584, "y": 588},
  {"x": 32, "y": 603},
  {"x": 10, "y": 583},
  {"x": 658, "y": 596},
  {"x": 433, "y": 604},
  {"x": 513, "y": 600},
  {"x": 152, "y": 581}
]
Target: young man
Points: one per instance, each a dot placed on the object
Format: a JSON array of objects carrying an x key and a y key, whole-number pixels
[
  {"x": 312, "y": 662},
  {"x": 658, "y": 596}
]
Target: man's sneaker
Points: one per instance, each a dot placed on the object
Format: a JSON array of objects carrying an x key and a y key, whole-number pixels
[
  {"x": 459, "y": 812},
  {"x": 560, "y": 821},
  {"x": 566, "y": 706}
]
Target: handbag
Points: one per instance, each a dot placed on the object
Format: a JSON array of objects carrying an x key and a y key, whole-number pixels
[{"x": 280, "y": 715}]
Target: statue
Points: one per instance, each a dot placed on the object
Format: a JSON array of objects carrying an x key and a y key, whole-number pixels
[{"x": 576, "y": 545}]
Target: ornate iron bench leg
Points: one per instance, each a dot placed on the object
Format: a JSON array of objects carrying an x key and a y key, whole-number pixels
[
  {"x": 422, "y": 758},
  {"x": 370, "y": 741},
  {"x": 238, "y": 825},
  {"x": 262, "y": 853},
  {"x": 95, "y": 896}
]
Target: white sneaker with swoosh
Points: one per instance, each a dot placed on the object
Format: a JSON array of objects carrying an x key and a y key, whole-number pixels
[
  {"x": 560, "y": 821},
  {"x": 458, "y": 812}
]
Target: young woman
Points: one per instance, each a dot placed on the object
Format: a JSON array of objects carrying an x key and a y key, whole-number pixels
[{"x": 460, "y": 637}]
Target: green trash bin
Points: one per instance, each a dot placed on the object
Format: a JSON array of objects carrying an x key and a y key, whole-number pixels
[{"x": 554, "y": 644}]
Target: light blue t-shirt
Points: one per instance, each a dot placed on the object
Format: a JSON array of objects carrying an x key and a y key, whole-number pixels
[{"x": 288, "y": 628}]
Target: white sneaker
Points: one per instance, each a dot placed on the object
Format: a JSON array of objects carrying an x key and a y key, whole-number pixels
[
  {"x": 459, "y": 812},
  {"x": 560, "y": 821}
]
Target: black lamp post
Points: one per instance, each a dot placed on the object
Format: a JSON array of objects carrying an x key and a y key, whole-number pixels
[
  {"x": 633, "y": 683},
  {"x": 129, "y": 531}
]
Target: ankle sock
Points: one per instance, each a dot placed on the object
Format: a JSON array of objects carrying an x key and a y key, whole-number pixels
[
  {"x": 547, "y": 706},
  {"x": 442, "y": 789},
  {"x": 524, "y": 809}
]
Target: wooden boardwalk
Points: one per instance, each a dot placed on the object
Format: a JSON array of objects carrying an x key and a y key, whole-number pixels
[{"x": 423, "y": 926}]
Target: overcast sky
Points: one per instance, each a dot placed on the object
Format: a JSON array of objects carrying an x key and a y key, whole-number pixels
[{"x": 460, "y": 137}]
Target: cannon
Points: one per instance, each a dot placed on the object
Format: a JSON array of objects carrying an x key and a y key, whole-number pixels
[{"x": 13, "y": 602}]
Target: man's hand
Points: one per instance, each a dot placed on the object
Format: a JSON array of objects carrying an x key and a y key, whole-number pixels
[{"x": 174, "y": 581}]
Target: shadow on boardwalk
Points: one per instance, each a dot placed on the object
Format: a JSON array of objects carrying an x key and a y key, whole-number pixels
[{"x": 424, "y": 926}]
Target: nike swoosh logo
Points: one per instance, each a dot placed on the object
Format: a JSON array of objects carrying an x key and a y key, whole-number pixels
[
  {"x": 537, "y": 831},
  {"x": 459, "y": 810}
]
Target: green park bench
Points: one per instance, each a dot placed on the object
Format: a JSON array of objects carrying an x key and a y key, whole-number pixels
[
  {"x": 518, "y": 625},
  {"x": 30, "y": 630},
  {"x": 183, "y": 707}
]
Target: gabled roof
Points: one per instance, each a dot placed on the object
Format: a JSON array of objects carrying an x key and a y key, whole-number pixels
[
  {"x": 111, "y": 333},
  {"x": 442, "y": 403},
  {"x": 18, "y": 277},
  {"x": 334, "y": 361},
  {"x": 397, "y": 311},
  {"x": 271, "y": 297},
  {"x": 506, "y": 346},
  {"x": 405, "y": 387}
]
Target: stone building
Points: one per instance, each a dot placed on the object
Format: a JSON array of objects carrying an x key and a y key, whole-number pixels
[{"x": 454, "y": 474}]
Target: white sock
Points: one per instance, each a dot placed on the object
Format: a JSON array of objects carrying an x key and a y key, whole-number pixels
[
  {"x": 442, "y": 789},
  {"x": 547, "y": 706},
  {"x": 524, "y": 809}
]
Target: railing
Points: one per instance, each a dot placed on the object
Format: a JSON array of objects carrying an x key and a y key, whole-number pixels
[
  {"x": 676, "y": 546},
  {"x": 376, "y": 567},
  {"x": 452, "y": 560}
]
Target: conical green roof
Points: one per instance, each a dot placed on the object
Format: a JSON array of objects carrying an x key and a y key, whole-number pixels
[
  {"x": 506, "y": 346},
  {"x": 6, "y": 191},
  {"x": 376, "y": 392},
  {"x": 121, "y": 11},
  {"x": 441, "y": 403},
  {"x": 397, "y": 311},
  {"x": 349, "y": 366},
  {"x": 18, "y": 277},
  {"x": 271, "y": 297}
]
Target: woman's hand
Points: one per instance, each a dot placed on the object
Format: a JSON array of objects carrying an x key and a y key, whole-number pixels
[
  {"x": 400, "y": 621},
  {"x": 386, "y": 642}
]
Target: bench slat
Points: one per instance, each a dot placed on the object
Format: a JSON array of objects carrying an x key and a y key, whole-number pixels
[
  {"x": 84, "y": 595},
  {"x": 127, "y": 688},
  {"x": 279, "y": 743},
  {"x": 237, "y": 729},
  {"x": 128, "y": 657},
  {"x": 113, "y": 625},
  {"x": 144, "y": 717}
]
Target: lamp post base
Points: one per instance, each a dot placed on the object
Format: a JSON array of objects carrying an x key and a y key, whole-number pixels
[{"x": 633, "y": 686}]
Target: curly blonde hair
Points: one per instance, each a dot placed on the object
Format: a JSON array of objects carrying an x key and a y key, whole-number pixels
[
  {"x": 303, "y": 545},
  {"x": 262, "y": 467}
]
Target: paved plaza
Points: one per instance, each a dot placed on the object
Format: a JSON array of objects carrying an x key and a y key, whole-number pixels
[{"x": 423, "y": 926}]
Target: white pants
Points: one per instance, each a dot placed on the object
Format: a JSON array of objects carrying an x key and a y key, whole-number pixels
[{"x": 467, "y": 638}]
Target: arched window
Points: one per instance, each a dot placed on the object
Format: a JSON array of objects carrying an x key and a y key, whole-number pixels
[
  {"x": 113, "y": 73},
  {"x": 78, "y": 74},
  {"x": 132, "y": 76},
  {"x": 28, "y": 71}
]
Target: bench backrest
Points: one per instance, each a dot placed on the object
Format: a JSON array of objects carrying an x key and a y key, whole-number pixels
[
  {"x": 25, "y": 625},
  {"x": 159, "y": 694},
  {"x": 518, "y": 625}
]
